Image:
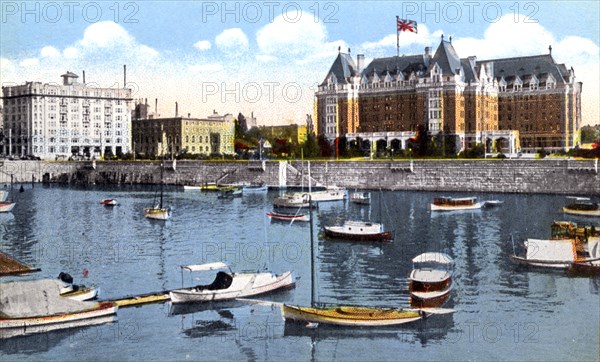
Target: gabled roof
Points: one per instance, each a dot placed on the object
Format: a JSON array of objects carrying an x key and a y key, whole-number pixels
[
  {"x": 527, "y": 66},
  {"x": 469, "y": 71},
  {"x": 342, "y": 68},
  {"x": 445, "y": 56}
]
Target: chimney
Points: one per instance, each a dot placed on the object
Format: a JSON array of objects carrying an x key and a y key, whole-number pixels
[
  {"x": 360, "y": 61},
  {"x": 124, "y": 76},
  {"x": 176, "y": 109},
  {"x": 549, "y": 50},
  {"x": 156, "y": 106},
  {"x": 427, "y": 51},
  {"x": 83, "y": 76},
  {"x": 189, "y": 115}
]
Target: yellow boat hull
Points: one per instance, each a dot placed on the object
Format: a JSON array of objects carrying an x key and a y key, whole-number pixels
[{"x": 350, "y": 316}]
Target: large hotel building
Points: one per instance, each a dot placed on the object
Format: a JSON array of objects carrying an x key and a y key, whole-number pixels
[
  {"x": 525, "y": 103},
  {"x": 54, "y": 121}
]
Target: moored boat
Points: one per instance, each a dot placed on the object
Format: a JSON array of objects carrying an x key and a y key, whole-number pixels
[
  {"x": 351, "y": 316},
  {"x": 26, "y": 306},
  {"x": 109, "y": 202},
  {"x": 430, "y": 280},
  {"x": 230, "y": 192},
  {"x": 359, "y": 230},
  {"x": 583, "y": 208},
  {"x": 230, "y": 285},
  {"x": 361, "y": 198},
  {"x": 296, "y": 200},
  {"x": 287, "y": 217},
  {"x": 559, "y": 254},
  {"x": 159, "y": 212},
  {"x": 455, "y": 203},
  {"x": 6, "y": 206}
]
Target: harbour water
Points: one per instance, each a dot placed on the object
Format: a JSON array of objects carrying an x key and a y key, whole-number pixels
[{"x": 503, "y": 312}]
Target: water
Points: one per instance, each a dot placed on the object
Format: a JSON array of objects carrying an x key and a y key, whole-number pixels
[{"x": 504, "y": 312}]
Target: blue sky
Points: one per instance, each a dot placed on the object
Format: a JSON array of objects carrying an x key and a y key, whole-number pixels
[{"x": 267, "y": 57}]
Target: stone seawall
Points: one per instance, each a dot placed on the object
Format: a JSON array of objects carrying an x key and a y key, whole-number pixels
[{"x": 551, "y": 176}]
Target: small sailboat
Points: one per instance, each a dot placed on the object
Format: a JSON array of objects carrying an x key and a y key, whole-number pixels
[
  {"x": 359, "y": 316},
  {"x": 159, "y": 212}
]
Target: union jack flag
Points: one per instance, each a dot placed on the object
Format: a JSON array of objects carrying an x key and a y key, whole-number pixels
[{"x": 406, "y": 25}]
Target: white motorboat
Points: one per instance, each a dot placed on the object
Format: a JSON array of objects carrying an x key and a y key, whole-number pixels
[
  {"x": 455, "y": 203},
  {"x": 230, "y": 285}
]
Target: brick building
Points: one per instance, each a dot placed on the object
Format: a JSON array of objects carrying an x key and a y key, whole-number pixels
[{"x": 522, "y": 102}]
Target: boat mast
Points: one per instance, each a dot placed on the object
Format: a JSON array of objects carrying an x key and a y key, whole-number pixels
[
  {"x": 162, "y": 168},
  {"x": 312, "y": 254}
]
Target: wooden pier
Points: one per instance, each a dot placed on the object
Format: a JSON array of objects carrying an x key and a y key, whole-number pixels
[{"x": 11, "y": 266}]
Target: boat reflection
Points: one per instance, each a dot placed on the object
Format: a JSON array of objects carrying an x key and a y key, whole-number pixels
[{"x": 434, "y": 328}]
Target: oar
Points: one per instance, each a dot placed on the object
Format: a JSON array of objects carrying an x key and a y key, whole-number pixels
[{"x": 435, "y": 310}]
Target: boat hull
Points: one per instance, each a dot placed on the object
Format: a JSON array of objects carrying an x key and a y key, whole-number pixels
[
  {"x": 157, "y": 213},
  {"x": 350, "y": 316},
  {"x": 475, "y": 206},
  {"x": 540, "y": 263},
  {"x": 262, "y": 284},
  {"x": 81, "y": 294},
  {"x": 584, "y": 269},
  {"x": 109, "y": 202},
  {"x": 6, "y": 206},
  {"x": 104, "y": 309},
  {"x": 283, "y": 217},
  {"x": 429, "y": 299},
  {"x": 567, "y": 210},
  {"x": 383, "y": 236}
]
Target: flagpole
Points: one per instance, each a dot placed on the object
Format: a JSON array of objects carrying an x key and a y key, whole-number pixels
[{"x": 397, "y": 36}]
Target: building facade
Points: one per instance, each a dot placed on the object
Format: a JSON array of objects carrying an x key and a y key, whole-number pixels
[
  {"x": 156, "y": 136},
  {"x": 522, "y": 102},
  {"x": 54, "y": 121}
]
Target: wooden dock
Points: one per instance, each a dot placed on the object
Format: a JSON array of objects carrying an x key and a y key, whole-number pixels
[
  {"x": 137, "y": 300},
  {"x": 12, "y": 266}
]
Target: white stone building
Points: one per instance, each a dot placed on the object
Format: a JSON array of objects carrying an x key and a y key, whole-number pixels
[{"x": 58, "y": 121}]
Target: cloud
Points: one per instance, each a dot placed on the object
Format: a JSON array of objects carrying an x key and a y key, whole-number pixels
[
  {"x": 506, "y": 38},
  {"x": 202, "y": 45},
  {"x": 233, "y": 39},
  {"x": 49, "y": 52},
  {"x": 105, "y": 34},
  {"x": 304, "y": 40},
  {"x": 206, "y": 68},
  {"x": 29, "y": 62},
  {"x": 71, "y": 53}
]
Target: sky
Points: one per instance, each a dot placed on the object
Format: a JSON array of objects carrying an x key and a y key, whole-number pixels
[{"x": 267, "y": 58}]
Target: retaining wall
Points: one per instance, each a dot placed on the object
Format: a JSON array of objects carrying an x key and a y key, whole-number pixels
[{"x": 552, "y": 176}]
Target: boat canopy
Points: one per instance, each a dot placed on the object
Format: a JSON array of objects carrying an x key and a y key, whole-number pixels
[
  {"x": 205, "y": 267},
  {"x": 439, "y": 258},
  {"x": 550, "y": 250}
]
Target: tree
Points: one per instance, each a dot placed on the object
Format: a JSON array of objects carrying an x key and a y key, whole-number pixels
[
  {"x": 588, "y": 134},
  {"x": 310, "y": 147},
  {"x": 422, "y": 140},
  {"x": 242, "y": 123}
]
